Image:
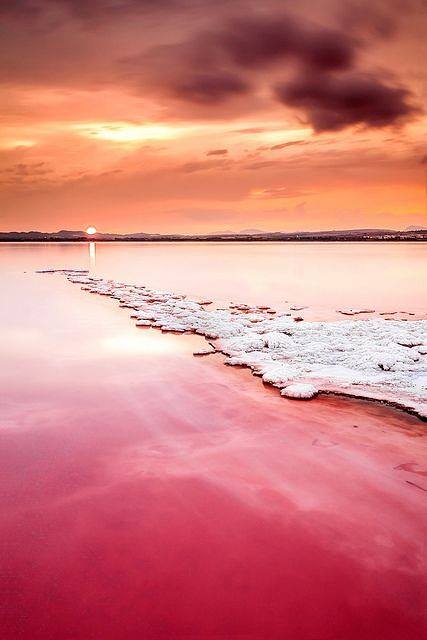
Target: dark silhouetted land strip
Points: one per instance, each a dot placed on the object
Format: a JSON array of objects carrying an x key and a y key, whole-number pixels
[{"x": 358, "y": 235}]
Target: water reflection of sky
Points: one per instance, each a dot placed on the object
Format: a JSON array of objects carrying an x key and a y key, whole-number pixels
[
  {"x": 323, "y": 276},
  {"x": 146, "y": 492}
]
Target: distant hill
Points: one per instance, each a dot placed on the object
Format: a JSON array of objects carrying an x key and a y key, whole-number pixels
[
  {"x": 228, "y": 232},
  {"x": 229, "y": 236}
]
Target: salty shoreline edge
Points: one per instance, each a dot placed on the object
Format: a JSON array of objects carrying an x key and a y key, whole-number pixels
[{"x": 80, "y": 276}]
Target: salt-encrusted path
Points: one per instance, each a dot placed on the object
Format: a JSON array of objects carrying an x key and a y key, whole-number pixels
[{"x": 376, "y": 358}]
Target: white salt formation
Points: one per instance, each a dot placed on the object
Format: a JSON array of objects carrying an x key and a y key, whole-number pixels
[
  {"x": 372, "y": 358},
  {"x": 300, "y": 391}
]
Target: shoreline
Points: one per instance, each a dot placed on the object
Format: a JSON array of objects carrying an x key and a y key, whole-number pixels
[
  {"x": 153, "y": 315},
  {"x": 393, "y": 404},
  {"x": 218, "y": 239}
]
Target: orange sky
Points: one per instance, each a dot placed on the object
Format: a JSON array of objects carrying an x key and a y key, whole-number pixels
[{"x": 194, "y": 116}]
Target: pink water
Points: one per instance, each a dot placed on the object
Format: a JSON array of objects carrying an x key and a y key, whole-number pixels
[
  {"x": 146, "y": 493},
  {"x": 322, "y": 276}
]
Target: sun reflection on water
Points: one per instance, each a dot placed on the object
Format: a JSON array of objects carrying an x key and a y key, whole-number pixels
[{"x": 92, "y": 255}]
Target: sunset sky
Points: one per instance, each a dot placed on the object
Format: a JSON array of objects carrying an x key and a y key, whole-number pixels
[{"x": 202, "y": 116}]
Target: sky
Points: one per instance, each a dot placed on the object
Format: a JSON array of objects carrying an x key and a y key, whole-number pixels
[{"x": 196, "y": 116}]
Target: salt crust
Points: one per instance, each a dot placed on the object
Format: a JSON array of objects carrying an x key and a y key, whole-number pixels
[
  {"x": 299, "y": 391},
  {"x": 373, "y": 358}
]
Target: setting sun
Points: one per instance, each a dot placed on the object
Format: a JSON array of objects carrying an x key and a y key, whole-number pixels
[{"x": 91, "y": 231}]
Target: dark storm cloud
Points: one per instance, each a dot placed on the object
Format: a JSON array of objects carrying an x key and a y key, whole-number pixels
[
  {"x": 213, "y": 61},
  {"x": 328, "y": 89},
  {"x": 334, "y": 102},
  {"x": 210, "y": 67},
  {"x": 241, "y": 46},
  {"x": 258, "y": 41}
]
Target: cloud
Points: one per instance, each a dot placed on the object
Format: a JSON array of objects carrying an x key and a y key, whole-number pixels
[
  {"x": 377, "y": 18},
  {"x": 251, "y": 130},
  {"x": 88, "y": 10},
  {"x": 83, "y": 10},
  {"x": 277, "y": 192},
  {"x": 262, "y": 164},
  {"x": 210, "y": 88},
  {"x": 217, "y": 152},
  {"x": 217, "y": 64},
  {"x": 212, "y": 67},
  {"x": 258, "y": 41},
  {"x": 283, "y": 145},
  {"x": 23, "y": 174},
  {"x": 333, "y": 102},
  {"x": 25, "y": 169},
  {"x": 205, "y": 165}
]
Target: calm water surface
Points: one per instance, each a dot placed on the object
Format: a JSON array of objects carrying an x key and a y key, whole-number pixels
[
  {"x": 146, "y": 493},
  {"x": 322, "y": 276}
]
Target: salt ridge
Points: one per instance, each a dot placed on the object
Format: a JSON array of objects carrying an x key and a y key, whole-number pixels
[{"x": 373, "y": 358}]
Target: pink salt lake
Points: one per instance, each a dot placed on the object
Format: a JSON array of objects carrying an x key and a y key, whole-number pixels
[{"x": 146, "y": 493}]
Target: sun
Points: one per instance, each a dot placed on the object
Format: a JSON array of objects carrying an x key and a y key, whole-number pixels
[{"x": 91, "y": 231}]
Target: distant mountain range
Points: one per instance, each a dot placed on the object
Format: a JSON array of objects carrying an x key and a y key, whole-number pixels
[{"x": 411, "y": 233}]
